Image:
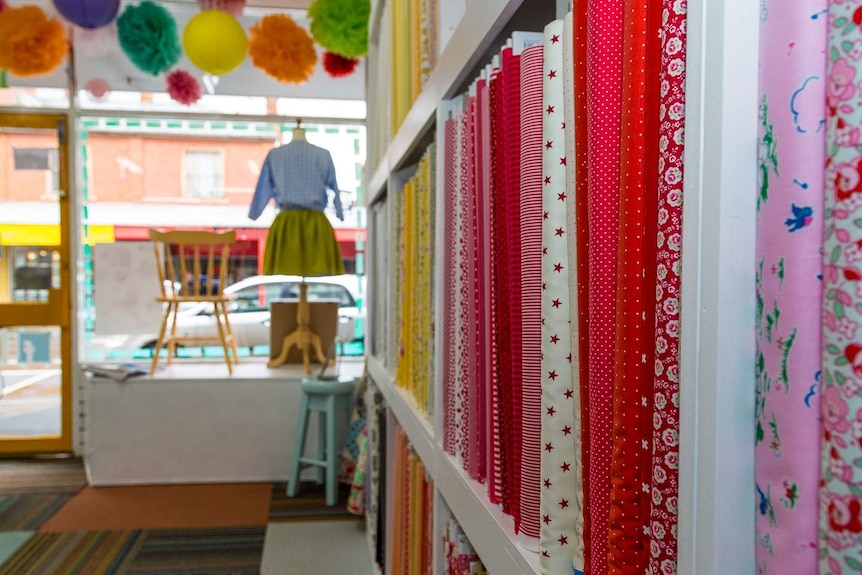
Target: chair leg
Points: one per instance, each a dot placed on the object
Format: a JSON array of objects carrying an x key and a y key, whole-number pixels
[
  {"x": 321, "y": 446},
  {"x": 331, "y": 473},
  {"x": 229, "y": 331},
  {"x": 217, "y": 314},
  {"x": 160, "y": 341},
  {"x": 298, "y": 448},
  {"x": 172, "y": 342}
]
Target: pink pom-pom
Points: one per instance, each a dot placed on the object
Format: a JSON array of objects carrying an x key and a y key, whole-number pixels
[
  {"x": 232, "y": 7},
  {"x": 183, "y": 87},
  {"x": 98, "y": 88},
  {"x": 339, "y": 66},
  {"x": 3, "y": 5}
]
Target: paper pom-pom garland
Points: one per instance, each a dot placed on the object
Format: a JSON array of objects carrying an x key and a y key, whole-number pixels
[
  {"x": 232, "y": 7},
  {"x": 341, "y": 26},
  {"x": 3, "y": 5},
  {"x": 31, "y": 43},
  {"x": 283, "y": 49},
  {"x": 148, "y": 36},
  {"x": 183, "y": 87},
  {"x": 338, "y": 66},
  {"x": 98, "y": 88},
  {"x": 90, "y": 14},
  {"x": 215, "y": 42}
]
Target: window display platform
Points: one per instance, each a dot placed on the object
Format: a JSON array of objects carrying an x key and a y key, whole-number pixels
[{"x": 193, "y": 423}]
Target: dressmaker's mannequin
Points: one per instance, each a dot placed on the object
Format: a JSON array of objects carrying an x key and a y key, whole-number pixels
[{"x": 301, "y": 241}]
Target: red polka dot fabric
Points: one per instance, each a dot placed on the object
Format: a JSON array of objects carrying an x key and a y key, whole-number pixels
[
  {"x": 604, "y": 93},
  {"x": 449, "y": 296}
]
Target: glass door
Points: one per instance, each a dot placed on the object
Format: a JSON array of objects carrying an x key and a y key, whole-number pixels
[{"x": 35, "y": 281}]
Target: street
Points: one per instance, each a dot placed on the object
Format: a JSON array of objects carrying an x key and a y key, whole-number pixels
[{"x": 29, "y": 402}]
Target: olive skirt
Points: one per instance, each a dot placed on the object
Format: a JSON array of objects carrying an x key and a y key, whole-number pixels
[{"x": 302, "y": 243}]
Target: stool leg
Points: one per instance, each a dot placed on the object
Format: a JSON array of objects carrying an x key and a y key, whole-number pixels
[
  {"x": 331, "y": 472},
  {"x": 299, "y": 447},
  {"x": 321, "y": 446}
]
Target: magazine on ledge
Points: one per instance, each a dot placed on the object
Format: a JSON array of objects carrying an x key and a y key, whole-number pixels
[{"x": 117, "y": 373}]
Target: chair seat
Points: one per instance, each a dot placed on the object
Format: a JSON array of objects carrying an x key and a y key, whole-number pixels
[{"x": 315, "y": 386}]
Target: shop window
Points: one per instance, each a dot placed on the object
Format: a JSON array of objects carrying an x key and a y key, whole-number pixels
[
  {"x": 204, "y": 174},
  {"x": 40, "y": 159},
  {"x": 35, "y": 270}
]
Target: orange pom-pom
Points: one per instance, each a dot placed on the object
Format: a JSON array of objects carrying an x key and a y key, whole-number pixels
[
  {"x": 283, "y": 49},
  {"x": 31, "y": 44}
]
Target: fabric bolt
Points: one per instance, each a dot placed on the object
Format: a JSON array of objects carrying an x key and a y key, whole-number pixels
[
  {"x": 789, "y": 239},
  {"x": 572, "y": 230},
  {"x": 581, "y": 168},
  {"x": 502, "y": 294},
  {"x": 356, "y": 500},
  {"x": 462, "y": 303},
  {"x": 841, "y": 404},
  {"x": 664, "y": 486},
  {"x": 632, "y": 431},
  {"x": 471, "y": 280},
  {"x": 558, "y": 495},
  {"x": 604, "y": 93},
  {"x": 481, "y": 143},
  {"x": 496, "y": 468},
  {"x": 531, "y": 294},
  {"x": 296, "y": 176},
  {"x": 449, "y": 389}
]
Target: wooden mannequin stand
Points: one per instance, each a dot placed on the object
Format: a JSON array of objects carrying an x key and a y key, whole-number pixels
[{"x": 302, "y": 337}]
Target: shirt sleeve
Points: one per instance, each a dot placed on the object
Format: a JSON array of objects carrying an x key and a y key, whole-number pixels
[
  {"x": 263, "y": 191},
  {"x": 333, "y": 185}
]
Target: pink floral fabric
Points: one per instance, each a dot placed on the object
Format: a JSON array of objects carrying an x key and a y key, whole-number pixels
[{"x": 841, "y": 380}]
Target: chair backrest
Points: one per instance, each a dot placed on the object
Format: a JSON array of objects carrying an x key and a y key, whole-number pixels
[{"x": 188, "y": 259}]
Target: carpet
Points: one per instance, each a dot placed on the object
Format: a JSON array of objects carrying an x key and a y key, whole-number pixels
[
  {"x": 10, "y": 541},
  {"x": 232, "y": 550},
  {"x": 163, "y": 507},
  {"x": 100, "y": 553},
  {"x": 42, "y": 476},
  {"x": 294, "y": 549},
  {"x": 309, "y": 504},
  {"x": 29, "y": 511}
]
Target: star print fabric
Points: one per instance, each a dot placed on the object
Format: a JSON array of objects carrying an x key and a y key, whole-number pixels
[{"x": 559, "y": 475}]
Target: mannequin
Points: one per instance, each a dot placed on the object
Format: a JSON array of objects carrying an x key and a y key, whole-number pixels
[{"x": 301, "y": 240}]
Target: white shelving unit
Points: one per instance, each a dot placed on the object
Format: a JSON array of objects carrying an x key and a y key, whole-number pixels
[{"x": 717, "y": 385}]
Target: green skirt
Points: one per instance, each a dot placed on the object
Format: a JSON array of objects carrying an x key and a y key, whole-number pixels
[{"x": 302, "y": 243}]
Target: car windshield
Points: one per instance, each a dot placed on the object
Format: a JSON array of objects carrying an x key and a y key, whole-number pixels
[{"x": 256, "y": 298}]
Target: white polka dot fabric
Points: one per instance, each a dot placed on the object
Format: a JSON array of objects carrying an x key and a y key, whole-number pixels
[{"x": 559, "y": 474}]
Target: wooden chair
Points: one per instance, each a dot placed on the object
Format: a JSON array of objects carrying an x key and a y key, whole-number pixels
[{"x": 186, "y": 266}]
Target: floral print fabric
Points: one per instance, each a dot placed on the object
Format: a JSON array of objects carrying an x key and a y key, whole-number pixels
[{"x": 841, "y": 403}]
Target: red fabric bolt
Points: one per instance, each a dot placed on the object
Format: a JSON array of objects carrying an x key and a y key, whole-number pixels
[{"x": 448, "y": 327}]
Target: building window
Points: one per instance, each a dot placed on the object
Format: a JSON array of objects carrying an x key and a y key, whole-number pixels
[
  {"x": 40, "y": 159},
  {"x": 204, "y": 174}
]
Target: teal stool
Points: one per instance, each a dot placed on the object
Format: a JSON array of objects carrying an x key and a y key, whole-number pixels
[{"x": 332, "y": 399}]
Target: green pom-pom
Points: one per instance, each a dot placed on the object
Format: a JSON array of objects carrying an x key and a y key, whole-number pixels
[
  {"x": 341, "y": 26},
  {"x": 148, "y": 36}
]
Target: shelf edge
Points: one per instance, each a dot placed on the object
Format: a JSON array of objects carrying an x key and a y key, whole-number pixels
[
  {"x": 416, "y": 426},
  {"x": 377, "y": 183},
  {"x": 488, "y": 529}
]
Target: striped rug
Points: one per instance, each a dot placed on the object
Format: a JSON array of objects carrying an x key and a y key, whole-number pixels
[
  {"x": 308, "y": 505},
  {"x": 28, "y": 511},
  {"x": 232, "y": 550},
  {"x": 78, "y": 553}
]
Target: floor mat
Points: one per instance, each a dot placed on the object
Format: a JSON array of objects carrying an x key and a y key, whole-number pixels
[
  {"x": 235, "y": 551},
  {"x": 301, "y": 549},
  {"x": 308, "y": 505},
  {"x": 163, "y": 507},
  {"x": 10, "y": 541},
  {"x": 101, "y": 553},
  {"x": 29, "y": 511},
  {"x": 52, "y": 475}
]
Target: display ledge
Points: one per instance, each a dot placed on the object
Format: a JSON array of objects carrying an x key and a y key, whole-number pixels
[
  {"x": 490, "y": 531},
  {"x": 481, "y": 24},
  {"x": 416, "y": 426}
]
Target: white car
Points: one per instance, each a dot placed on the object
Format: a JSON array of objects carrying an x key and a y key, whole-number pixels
[{"x": 249, "y": 311}]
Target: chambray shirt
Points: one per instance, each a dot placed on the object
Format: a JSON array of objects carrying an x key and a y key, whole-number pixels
[{"x": 296, "y": 176}]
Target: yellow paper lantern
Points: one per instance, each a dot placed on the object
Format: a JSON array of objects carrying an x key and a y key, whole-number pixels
[{"x": 215, "y": 42}]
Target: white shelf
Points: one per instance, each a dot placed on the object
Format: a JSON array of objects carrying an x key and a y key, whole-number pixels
[
  {"x": 490, "y": 531},
  {"x": 482, "y": 22},
  {"x": 416, "y": 426}
]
